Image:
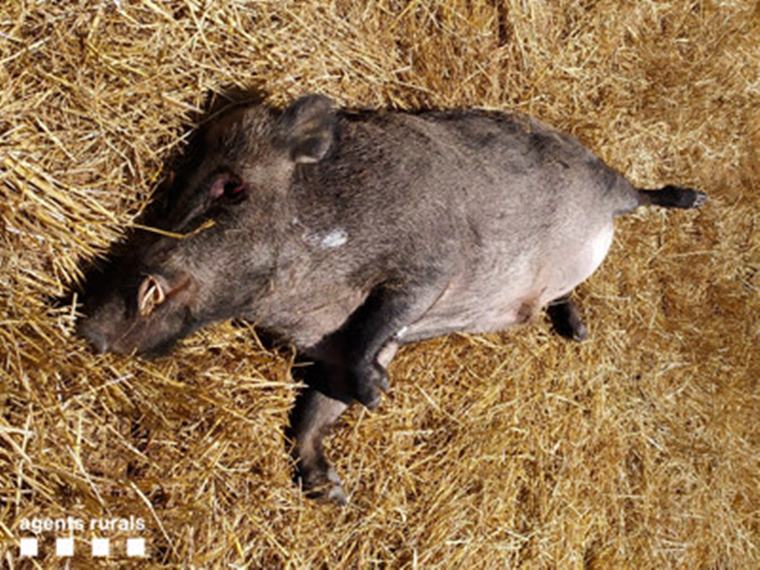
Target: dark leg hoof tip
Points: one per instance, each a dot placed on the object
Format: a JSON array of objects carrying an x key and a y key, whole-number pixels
[
  {"x": 566, "y": 320},
  {"x": 580, "y": 333},
  {"x": 332, "y": 494},
  {"x": 337, "y": 496},
  {"x": 369, "y": 383},
  {"x": 369, "y": 397},
  {"x": 700, "y": 199},
  {"x": 328, "y": 490}
]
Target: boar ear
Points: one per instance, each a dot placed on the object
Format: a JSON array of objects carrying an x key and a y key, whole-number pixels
[{"x": 308, "y": 128}]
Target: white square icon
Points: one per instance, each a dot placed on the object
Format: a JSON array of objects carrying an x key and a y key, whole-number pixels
[
  {"x": 28, "y": 547},
  {"x": 135, "y": 547},
  {"x": 64, "y": 547},
  {"x": 100, "y": 547}
]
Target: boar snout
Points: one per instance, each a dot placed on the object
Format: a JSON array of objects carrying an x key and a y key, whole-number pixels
[
  {"x": 97, "y": 327},
  {"x": 147, "y": 318},
  {"x": 96, "y": 337}
]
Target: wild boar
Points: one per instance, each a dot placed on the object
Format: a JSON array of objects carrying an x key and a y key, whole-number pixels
[{"x": 349, "y": 233}]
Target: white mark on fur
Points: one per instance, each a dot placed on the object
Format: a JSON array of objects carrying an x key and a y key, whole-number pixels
[
  {"x": 401, "y": 332},
  {"x": 326, "y": 240},
  {"x": 335, "y": 238}
]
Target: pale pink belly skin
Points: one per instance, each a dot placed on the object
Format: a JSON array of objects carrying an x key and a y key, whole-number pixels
[{"x": 511, "y": 295}]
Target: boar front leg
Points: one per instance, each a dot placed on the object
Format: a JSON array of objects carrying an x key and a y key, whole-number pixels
[
  {"x": 369, "y": 338},
  {"x": 311, "y": 417}
]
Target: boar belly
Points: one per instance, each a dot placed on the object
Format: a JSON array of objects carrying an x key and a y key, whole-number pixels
[
  {"x": 497, "y": 298},
  {"x": 571, "y": 265}
]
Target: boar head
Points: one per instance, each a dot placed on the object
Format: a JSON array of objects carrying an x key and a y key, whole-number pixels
[{"x": 215, "y": 246}]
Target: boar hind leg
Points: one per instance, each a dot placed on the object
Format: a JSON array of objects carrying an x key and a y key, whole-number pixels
[
  {"x": 310, "y": 419},
  {"x": 369, "y": 338},
  {"x": 566, "y": 319}
]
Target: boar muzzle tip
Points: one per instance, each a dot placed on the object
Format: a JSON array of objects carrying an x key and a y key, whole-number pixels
[{"x": 96, "y": 339}]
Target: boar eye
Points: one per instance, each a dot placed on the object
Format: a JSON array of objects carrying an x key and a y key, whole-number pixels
[
  {"x": 227, "y": 186},
  {"x": 233, "y": 188}
]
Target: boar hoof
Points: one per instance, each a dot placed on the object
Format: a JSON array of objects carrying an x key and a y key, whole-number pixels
[
  {"x": 566, "y": 320},
  {"x": 369, "y": 383},
  {"x": 580, "y": 333},
  {"x": 576, "y": 331},
  {"x": 325, "y": 487},
  {"x": 336, "y": 495}
]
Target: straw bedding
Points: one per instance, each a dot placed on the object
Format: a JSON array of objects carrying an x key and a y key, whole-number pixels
[{"x": 639, "y": 448}]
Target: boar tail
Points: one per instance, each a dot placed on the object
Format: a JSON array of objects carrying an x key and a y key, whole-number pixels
[{"x": 672, "y": 197}]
